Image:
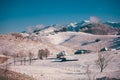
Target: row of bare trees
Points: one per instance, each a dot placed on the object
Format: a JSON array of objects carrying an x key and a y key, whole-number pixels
[{"x": 22, "y": 58}]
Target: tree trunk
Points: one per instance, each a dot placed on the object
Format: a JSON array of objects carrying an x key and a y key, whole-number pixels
[
  {"x": 101, "y": 70},
  {"x": 30, "y": 61},
  {"x": 14, "y": 60}
]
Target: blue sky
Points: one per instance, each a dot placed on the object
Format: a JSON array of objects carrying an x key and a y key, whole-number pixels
[{"x": 16, "y": 15}]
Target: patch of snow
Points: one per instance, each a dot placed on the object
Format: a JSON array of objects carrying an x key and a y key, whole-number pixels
[
  {"x": 73, "y": 24},
  {"x": 112, "y": 22}
]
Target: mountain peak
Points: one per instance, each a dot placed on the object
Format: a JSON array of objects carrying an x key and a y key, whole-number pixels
[
  {"x": 86, "y": 21},
  {"x": 73, "y": 24}
]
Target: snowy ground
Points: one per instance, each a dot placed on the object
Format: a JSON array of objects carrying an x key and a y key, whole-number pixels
[
  {"x": 70, "y": 70},
  {"x": 75, "y": 40},
  {"x": 67, "y": 41}
]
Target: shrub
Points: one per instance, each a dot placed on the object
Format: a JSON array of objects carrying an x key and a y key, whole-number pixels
[
  {"x": 97, "y": 40},
  {"x": 43, "y": 53}
]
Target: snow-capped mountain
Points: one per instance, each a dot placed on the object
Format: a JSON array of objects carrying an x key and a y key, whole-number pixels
[
  {"x": 76, "y": 26},
  {"x": 113, "y": 24},
  {"x": 87, "y": 26}
]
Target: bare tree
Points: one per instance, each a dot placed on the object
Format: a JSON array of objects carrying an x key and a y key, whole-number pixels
[
  {"x": 40, "y": 54},
  {"x": 15, "y": 56},
  {"x": 88, "y": 72},
  {"x": 103, "y": 60},
  {"x": 24, "y": 60},
  {"x": 21, "y": 58},
  {"x": 30, "y": 57},
  {"x": 46, "y": 53}
]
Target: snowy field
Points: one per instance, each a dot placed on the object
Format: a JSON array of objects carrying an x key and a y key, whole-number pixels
[{"x": 69, "y": 70}]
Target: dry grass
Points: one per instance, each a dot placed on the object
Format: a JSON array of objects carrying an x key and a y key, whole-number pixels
[
  {"x": 3, "y": 59},
  {"x": 14, "y": 76}
]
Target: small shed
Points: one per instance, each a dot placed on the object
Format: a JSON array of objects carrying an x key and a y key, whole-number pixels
[
  {"x": 61, "y": 54},
  {"x": 104, "y": 49}
]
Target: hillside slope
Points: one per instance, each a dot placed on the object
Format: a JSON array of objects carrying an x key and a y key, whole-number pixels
[
  {"x": 9, "y": 45},
  {"x": 98, "y": 29},
  {"x": 80, "y": 40}
]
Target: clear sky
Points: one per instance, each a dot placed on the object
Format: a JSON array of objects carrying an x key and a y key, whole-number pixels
[{"x": 16, "y": 15}]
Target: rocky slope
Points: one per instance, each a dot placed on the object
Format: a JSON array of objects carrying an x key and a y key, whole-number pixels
[{"x": 98, "y": 29}]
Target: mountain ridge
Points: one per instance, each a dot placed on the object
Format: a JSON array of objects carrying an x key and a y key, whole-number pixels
[{"x": 86, "y": 26}]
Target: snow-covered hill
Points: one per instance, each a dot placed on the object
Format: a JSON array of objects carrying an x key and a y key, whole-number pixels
[{"x": 80, "y": 40}]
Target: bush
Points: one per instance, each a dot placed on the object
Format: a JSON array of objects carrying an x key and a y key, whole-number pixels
[
  {"x": 43, "y": 53},
  {"x": 97, "y": 40},
  {"x": 64, "y": 29}
]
